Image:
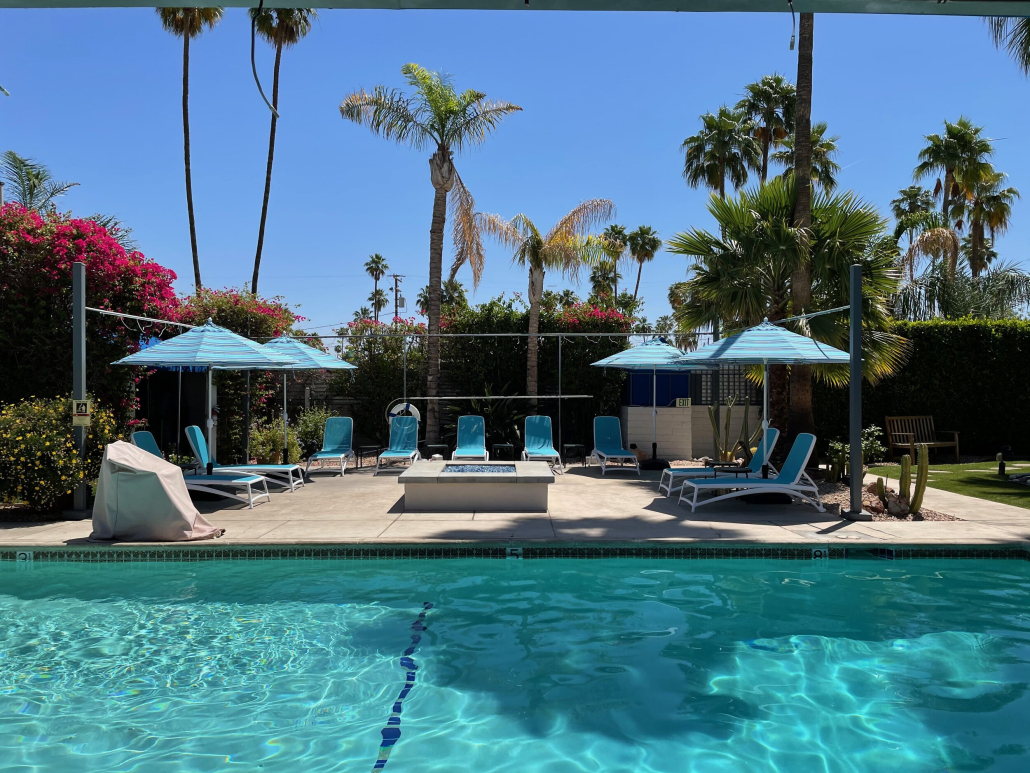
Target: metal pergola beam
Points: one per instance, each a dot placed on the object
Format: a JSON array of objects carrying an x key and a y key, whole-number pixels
[{"x": 921, "y": 7}]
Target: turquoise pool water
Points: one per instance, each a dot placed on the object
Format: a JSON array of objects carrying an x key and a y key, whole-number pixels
[{"x": 560, "y": 666}]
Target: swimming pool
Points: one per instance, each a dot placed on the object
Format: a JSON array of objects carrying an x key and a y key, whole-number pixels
[{"x": 705, "y": 666}]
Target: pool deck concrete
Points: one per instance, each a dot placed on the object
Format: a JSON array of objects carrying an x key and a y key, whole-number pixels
[{"x": 584, "y": 507}]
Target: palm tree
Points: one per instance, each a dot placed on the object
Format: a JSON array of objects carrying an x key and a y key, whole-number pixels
[
  {"x": 32, "y": 184},
  {"x": 281, "y": 28},
  {"x": 379, "y": 301},
  {"x": 1012, "y": 34},
  {"x": 824, "y": 150},
  {"x": 936, "y": 240},
  {"x": 376, "y": 267},
  {"x": 564, "y": 248},
  {"x": 362, "y": 314},
  {"x": 188, "y": 23},
  {"x": 602, "y": 280},
  {"x": 438, "y": 117},
  {"x": 452, "y": 293},
  {"x": 745, "y": 273},
  {"x": 724, "y": 147},
  {"x": 643, "y": 243},
  {"x": 910, "y": 206},
  {"x": 613, "y": 245},
  {"x": 959, "y": 152},
  {"x": 988, "y": 208},
  {"x": 1001, "y": 291},
  {"x": 769, "y": 103}
]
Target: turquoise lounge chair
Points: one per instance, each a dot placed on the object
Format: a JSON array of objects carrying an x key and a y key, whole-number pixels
[
  {"x": 765, "y": 447},
  {"x": 471, "y": 439},
  {"x": 403, "y": 441},
  {"x": 540, "y": 443},
  {"x": 608, "y": 444},
  {"x": 212, "y": 484},
  {"x": 280, "y": 474},
  {"x": 337, "y": 443},
  {"x": 791, "y": 480}
]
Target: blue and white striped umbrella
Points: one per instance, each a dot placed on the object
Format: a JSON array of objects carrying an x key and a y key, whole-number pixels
[
  {"x": 305, "y": 358},
  {"x": 653, "y": 355},
  {"x": 765, "y": 344},
  {"x": 213, "y": 348},
  {"x": 210, "y": 346}
]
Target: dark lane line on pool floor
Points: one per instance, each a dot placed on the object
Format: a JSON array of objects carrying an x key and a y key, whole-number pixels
[{"x": 392, "y": 732}]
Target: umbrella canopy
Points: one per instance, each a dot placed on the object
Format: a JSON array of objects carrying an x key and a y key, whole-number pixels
[
  {"x": 209, "y": 346},
  {"x": 305, "y": 357},
  {"x": 765, "y": 344},
  {"x": 653, "y": 355}
]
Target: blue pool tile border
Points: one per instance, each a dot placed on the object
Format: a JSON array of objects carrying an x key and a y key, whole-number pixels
[{"x": 199, "y": 553}]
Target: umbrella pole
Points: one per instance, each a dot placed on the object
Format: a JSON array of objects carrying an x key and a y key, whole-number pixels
[
  {"x": 178, "y": 414},
  {"x": 654, "y": 412},
  {"x": 210, "y": 426},
  {"x": 765, "y": 421},
  {"x": 286, "y": 449}
]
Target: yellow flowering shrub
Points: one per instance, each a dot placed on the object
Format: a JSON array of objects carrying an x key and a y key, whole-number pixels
[{"x": 39, "y": 463}]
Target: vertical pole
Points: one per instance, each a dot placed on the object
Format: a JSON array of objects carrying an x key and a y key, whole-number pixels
[
  {"x": 404, "y": 355},
  {"x": 715, "y": 375},
  {"x": 396, "y": 293},
  {"x": 286, "y": 436},
  {"x": 210, "y": 424},
  {"x": 559, "y": 392},
  {"x": 178, "y": 414},
  {"x": 765, "y": 420},
  {"x": 654, "y": 412},
  {"x": 81, "y": 494},
  {"x": 855, "y": 390}
]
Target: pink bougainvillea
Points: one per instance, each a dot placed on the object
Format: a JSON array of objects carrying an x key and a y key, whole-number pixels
[{"x": 37, "y": 251}]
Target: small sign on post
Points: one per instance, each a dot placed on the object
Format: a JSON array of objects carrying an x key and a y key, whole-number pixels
[{"x": 81, "y": 410}]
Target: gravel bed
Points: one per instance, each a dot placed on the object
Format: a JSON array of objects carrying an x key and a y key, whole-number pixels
[{"x": 840, "y": 495}]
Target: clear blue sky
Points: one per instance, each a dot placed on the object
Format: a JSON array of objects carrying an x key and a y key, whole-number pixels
[{"x": 607, "y": 99}]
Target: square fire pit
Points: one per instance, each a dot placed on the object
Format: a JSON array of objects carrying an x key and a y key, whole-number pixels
[{"x": 511, "y": 487}]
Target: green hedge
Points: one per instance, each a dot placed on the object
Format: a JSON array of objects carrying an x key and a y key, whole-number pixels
[{"x": 970, "y": 375}]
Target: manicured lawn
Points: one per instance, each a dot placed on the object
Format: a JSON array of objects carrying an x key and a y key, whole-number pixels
[{"x": 974, "y": 480}]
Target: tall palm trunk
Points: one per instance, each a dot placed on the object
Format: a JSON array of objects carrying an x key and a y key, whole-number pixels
[
  {"x": 375, "y": 294},
  {"x": 441, "y": 171},
  {"x": 186, "y": 154},
  {"x": 268, "y": 168},
  {"x": 801, "y": 418},
  {"x": 949, "y": 183},
  {"x": 640, "y": 270},
  {"x": 536, "y": 291},
  {"x": 765, "y": 154}
]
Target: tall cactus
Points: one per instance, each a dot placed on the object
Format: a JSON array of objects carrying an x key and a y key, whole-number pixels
[
  {"x": 881, "y": 492},
  {"x": 905, "y": 478},
  {"x": 922, "y": 473}
]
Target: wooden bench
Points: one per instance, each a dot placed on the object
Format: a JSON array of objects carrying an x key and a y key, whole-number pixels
[{"x": 905, "y": 432}]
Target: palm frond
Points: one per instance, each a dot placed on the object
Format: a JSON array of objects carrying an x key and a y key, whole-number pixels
[
  {"x": 391, "y": 115},
  {"x": 468, "y": 244},
  {"x": 581, "y": 218}
]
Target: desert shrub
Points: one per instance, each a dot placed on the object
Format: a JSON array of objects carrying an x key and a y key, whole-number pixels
[
  {"x": 39, "y": 464},
  {"x": 310, "y": 428},
  {"x": 266, "y": 443}
]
